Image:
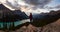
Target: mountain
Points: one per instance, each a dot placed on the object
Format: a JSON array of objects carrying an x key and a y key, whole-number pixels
[
  {"x": 8, "y": 15},
  {"x": 42, "y": 15},
  {"x": 45, "y": 18},
  {"x": 3, "y": 11},
  {"x": 20, "y": 15}
]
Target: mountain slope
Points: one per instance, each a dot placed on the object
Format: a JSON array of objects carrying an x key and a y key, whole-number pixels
[{"x": 8, "y": 15}]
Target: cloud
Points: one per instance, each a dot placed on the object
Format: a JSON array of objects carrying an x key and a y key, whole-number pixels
[
  {"x": 55, "y": 7},
  {"x": 12, "y": 5},
  {"x": 31, "y": 3},
  {"x": 37, "y": 3},
  {"x": 58, "y": 6},
  {"x": 27, "y": 5}
]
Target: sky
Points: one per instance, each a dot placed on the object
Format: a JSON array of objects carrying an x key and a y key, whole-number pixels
[
  {"x": 32, "y": 6},
  {"x": 54, "y": 3}
]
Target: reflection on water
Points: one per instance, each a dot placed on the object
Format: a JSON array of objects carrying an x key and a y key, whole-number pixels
[
  {"x": 2, "y": 24},
  {"x": 15, "y": 23}
]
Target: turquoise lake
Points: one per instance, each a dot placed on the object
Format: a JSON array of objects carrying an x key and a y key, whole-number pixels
[{"x": 15, "y": 23}]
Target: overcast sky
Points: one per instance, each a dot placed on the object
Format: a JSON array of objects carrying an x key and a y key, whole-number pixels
[{"x": 32, "y": 5}]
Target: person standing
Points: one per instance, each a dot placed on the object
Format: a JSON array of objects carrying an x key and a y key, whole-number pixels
[{"x": 31, "y": 17}]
